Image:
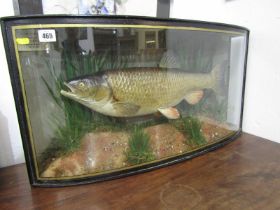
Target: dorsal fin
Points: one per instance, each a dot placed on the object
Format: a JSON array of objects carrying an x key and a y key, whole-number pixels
[{"x": 169, "y": 60}]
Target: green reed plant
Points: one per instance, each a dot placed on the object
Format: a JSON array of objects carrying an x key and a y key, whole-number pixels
[
  {"x": 192, "y": 128},
  {"x": 78, "y": 119},
  {"x": 139, "y": 149},
  {"x": 194, "y": 131}
]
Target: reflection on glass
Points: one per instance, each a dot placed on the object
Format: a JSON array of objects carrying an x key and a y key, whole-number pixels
[{"x": 103, "y": 99}]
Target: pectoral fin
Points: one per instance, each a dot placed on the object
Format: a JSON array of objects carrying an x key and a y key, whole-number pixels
[
  {"x": 194, "y": 97},
  {"x": 170, "y": 112},
  {"x": 102, "y": 93},
  {"x": 125, "y": 109}
]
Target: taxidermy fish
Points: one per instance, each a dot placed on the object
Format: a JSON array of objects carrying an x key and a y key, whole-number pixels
[{"x": 140, "y": 91}]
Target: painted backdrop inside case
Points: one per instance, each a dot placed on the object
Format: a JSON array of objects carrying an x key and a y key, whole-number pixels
[{"x": 106, "y": 97}]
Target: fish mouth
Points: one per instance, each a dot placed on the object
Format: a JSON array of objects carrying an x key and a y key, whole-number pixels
[{"x": 70, "y": 92}]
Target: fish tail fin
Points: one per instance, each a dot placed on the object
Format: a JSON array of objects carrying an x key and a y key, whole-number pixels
[{"x": 217, "y": 78}]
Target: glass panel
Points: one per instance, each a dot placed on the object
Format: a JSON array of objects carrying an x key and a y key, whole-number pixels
[{"x": 103, "y": 99}]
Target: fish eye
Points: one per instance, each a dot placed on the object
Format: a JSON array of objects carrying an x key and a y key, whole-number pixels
[{"x": 81, "y": 84}]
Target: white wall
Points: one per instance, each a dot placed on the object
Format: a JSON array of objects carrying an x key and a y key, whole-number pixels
[
  {"x": 129, "y": 7},
  {"x": 11, "y": 148},
  {"x": 262, "y": 97}
]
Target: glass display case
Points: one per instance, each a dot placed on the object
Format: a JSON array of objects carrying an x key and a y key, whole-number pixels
[{"x": 102, "y": 97}]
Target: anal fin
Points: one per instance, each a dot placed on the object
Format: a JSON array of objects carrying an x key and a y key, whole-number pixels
[
  {"x": 194, "y": 97},
  {"x": 170, "y": 112}
]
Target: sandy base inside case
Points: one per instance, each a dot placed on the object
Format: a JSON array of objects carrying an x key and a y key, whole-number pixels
[{"x": 101, "y": 152}]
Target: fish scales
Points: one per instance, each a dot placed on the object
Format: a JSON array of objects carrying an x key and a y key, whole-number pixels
[
  {"x": 153, "y": 86},
  {"x": 140, "y": 91}
]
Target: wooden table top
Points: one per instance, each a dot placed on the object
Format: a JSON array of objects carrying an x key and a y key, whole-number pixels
[{"x": 244, "y": 174}]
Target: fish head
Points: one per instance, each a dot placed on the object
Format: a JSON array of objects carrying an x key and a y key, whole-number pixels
[{"x": 91, "y": 91}]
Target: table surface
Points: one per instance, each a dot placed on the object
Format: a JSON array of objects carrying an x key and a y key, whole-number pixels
[{"x": 244, "y": 174}]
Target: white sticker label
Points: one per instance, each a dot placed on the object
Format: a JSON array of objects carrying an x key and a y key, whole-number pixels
[{"x": 47, "y": 35}]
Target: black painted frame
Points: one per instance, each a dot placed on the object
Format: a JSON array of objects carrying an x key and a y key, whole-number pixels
[{"x": 8, "y": 22}]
